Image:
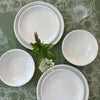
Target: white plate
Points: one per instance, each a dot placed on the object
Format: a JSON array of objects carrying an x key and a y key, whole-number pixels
[
  {"x": 64, "y": 83},
  {"x": 16, "y": 67},
  {"x": 47, "y": 33},
  {"x": 80, "y": 47},
  {"x": 39, "y": 19}
]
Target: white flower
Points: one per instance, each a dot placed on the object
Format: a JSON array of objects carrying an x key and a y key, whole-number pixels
[{"x": 45, "y": 64}]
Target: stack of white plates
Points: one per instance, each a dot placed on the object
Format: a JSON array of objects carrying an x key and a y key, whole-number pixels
[
  {"x": 63, "y": 83},
  {"x": 39, "y": 17}
]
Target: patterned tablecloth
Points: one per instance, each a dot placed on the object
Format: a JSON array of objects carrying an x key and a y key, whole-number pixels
[{"x": 88, "y": 19}]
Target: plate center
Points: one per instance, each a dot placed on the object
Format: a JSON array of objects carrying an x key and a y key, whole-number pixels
[{"x": 62, "y": 85}]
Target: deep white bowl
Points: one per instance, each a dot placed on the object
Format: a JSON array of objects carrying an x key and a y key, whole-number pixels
[
  {"x": 80, "y": 47},
  {"x": 16, "y": 67}
]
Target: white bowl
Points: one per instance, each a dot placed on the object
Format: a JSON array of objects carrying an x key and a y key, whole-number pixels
[
  {"x": 39, "y": 17},
  {"x": 64, "y": 82},
  {"x": 16, "y": 67},
  {"x": 80, "y": 47}
]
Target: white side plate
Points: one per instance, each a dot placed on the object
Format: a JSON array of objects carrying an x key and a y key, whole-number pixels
[{"x": 39, "y": 19}]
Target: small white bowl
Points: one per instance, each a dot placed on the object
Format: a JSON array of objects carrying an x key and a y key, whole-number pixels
[
  {"x": 16, "y": 67},
  {"x": 80, "y": 47}
]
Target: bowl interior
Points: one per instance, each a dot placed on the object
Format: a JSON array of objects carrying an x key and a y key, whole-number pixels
[
  {"x": 16, "y": 67},
  {"x": 80, "y": 47}
]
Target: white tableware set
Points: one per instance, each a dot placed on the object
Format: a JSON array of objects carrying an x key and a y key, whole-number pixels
[{"x": 79, "y": 47}]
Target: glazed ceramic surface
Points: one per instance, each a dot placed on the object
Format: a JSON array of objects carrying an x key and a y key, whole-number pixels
[
  {"x": 80, "y": 47},
  {"x": 16, "y": 67}
]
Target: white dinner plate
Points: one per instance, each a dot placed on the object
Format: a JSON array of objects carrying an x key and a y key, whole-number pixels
[
  {"x": 63, "y": 83},
  {"x": 39, "y": 17}
]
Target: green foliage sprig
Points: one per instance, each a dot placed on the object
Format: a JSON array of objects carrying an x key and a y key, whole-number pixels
[{"x": 41, "y": 49}]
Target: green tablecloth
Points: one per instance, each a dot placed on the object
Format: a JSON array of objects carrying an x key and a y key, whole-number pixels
[{"x": 8, "y": 10}]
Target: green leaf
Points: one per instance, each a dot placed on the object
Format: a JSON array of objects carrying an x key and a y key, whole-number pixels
[
  {"x": 48, "y": 46},
  {"x": 35, "y": 51},
  {"x": 50, "y": 53},
  {"x": 33, "y": 45}
]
